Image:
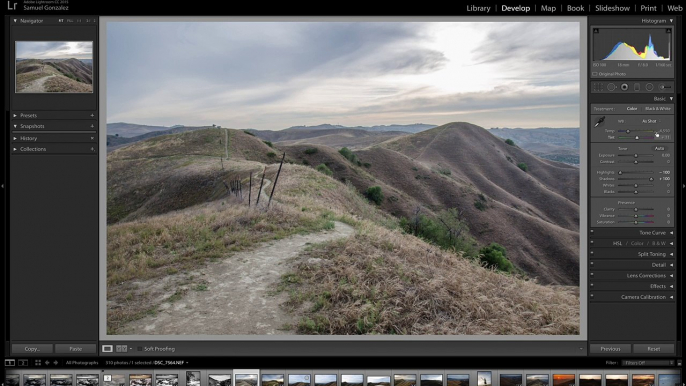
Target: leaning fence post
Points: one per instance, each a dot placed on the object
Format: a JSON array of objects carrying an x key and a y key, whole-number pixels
[
  {"x": 259, "y": 194},
  {"x": 276, "y": 179},
  {"x": 250, "y": 190}
]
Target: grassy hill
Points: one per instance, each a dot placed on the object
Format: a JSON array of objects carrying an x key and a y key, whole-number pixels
[
  {"x": 168, "y": 212},
  {"x": 68, "y": 75},
  {"x": 333, "y": 137},
  {"x": 533, "y": 213}
]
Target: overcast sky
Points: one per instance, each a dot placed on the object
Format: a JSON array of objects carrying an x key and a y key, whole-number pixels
[
  {"x": 273, "y": 75},
  {"x": 54, "y": 50}
]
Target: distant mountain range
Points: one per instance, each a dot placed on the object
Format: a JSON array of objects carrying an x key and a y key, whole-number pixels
[
  {"x": 411, "y": 128},
  {"x": 550, "y": 143},
  {"x": 555, "y": 144},
  {"x": 87, "y": 61}
]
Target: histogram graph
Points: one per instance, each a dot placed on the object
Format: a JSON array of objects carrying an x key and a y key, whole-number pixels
[{"x": 631, "y": 44}]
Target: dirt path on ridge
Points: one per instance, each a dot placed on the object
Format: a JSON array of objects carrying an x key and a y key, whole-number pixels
[
  {"x": 37, "y": 85},
  {"x": 239, "y": 298}
]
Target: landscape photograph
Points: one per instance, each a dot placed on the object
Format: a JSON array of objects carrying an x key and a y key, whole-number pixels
[
  {"x": 166, "y": 379},
  {"x": 114, "y": 380},
  {"x": 669, "y": 380},
  {"x": 378, "y": 380},
  {"x": 246, "y": 380},
  {"x": 61, "y": 380},
  {"x": 54, "y": 67},
  {"x": 564, "y": 380},
  {"x": 353, "y": 380},
  {"x": 87, "y": 379},
  {"x": 271, "y": 380},
  {"x": 484, "y": 378},
  {"x": 404, "y": 380},
  {"x": 537, "y": 380},
  {"x": 511, "y": 380},
  {"x": 140, "y": 380},
  {"x": 431, "y": 380},
  {"x": 616, "y": 380},
  {"x": 325, "y": 380},
  {"x": 299, "y": 380},
  {"x": 12, "y": 379},
  {"x": 277, "y": 195},
  {"x": 590, "y": 380},
  {"x": 642, "y": 379},
  {"x": 192, "y": 378},
  {"x": 34, "y": 379},
  {"x": 458, "y": 379},
  {"x": 225, "y": 380}
]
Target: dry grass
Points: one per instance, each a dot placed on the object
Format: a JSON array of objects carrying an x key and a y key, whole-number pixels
[
  {"x": 61, "y": 83},
  {"x": 310, "y": 190},
  {"x": 183, "y": 241},
  {"x": 150, "y": 247},
  {"x": 382, "y": 281}
]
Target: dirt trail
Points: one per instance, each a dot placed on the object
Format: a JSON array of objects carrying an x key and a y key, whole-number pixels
[
  {"x": 238, "y": 299},
  {"x": 37, "y": 85}
]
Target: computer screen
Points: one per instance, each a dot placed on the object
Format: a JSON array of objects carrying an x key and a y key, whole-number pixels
[{"x": 225, "y": 195}]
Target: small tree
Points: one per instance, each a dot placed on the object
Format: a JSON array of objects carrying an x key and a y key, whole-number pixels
[
  {"x": 523, "y": 166},
  {"x": 509, "y": 142},
  {"x": 375, "y": 195}
]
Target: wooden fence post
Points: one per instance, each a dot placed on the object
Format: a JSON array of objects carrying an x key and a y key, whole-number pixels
[
  {"x": 259, "y": 193},
  {"x": 276, "y": 179},
  {"x": 250, "y": 191}
]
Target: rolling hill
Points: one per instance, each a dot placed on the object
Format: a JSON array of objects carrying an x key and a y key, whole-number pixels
[
  {"x": 123, "y": 129},
  {"x": 168, "y": 212},
  {"x": 534, "y": 214},
  {"x": 115, "y": 141},
  {"x": 171, "y": 172},
  {"x": 335, "y": 137},
  {"x": 411, "y": 128},
  {"x": 54, "y": 75}
]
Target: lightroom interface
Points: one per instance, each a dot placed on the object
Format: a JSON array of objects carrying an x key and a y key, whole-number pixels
[{"x": 190, "y": 195}]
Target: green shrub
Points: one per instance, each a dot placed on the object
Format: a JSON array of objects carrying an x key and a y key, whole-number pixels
[
  {"x": 311, "y": 150},
  {"x": 367, "y": 165},
  {"x": 509, "y": 142},
  {"x": 324, "y": 169},
  {"x": 495, "y": 256},
  {"x": 269, "y": 143},
  {"x": 271, "y": 154},
  {"x": 349, "y": 155},
  {"x": 523, "y": 166},
  {"x": 480, "y": 205},
  {"x": 447, "y": 230},
  {"x": 445, "y": 171},
  {"x": 375, "y": 195},
  {"x": 306, "y": 162},
  {"x": 249, "y": 133}
]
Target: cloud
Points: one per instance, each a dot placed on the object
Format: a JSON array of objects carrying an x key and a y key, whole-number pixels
[
  {"x": 268, "y": 75},
  {"x": 54, "y": 50}
]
